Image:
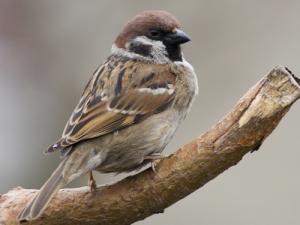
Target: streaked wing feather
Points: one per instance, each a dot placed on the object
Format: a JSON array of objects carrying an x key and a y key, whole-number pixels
[{"x": 94, "y": 117}]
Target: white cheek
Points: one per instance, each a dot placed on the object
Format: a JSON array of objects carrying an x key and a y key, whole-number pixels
[
  {"x": 157, "y": 45},
  {"x": 143, "y": 40},
  {"x": 158, "y": 53}
]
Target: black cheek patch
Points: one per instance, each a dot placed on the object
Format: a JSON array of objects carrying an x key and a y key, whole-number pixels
[{"x": 141, "y": 49}]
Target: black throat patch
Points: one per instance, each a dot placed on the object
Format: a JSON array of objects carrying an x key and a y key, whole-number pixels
[
  {"x": 141, "y": 49},
  {"x": 174, "y": 52}
]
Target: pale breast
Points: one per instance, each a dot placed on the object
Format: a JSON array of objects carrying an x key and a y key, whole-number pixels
[
  {"x": 126, "y": 149},
  {"x": 187, "y": 85}
]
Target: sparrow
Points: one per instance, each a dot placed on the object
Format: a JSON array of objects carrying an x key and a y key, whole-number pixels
[{"x": 129, "y": 109}]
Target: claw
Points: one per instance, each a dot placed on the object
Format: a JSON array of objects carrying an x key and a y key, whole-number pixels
[
  {"x": 153, "y": 167},
  {"x": 154, "y": 158},
  {"x": 92, "y": 183}
]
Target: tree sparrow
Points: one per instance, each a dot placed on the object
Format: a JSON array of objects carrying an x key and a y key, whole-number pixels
[{"x": 130, "y": 108}]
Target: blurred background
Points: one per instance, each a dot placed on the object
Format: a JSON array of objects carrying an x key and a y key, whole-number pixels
[{"x": 49, "y": 49}]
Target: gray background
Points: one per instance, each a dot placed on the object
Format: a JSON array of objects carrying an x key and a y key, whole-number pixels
[{"x": 48, "y": 50}]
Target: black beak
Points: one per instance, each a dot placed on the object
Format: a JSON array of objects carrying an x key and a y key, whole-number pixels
[{"x": 176, "y": 38}]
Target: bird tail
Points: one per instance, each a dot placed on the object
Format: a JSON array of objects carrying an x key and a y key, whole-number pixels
[{"x": 38, "y": 204}]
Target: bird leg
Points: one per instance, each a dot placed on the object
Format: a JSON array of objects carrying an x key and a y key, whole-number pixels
[
  {"x": 92, "y": 183},
  {"x": 154, "y": 159}
]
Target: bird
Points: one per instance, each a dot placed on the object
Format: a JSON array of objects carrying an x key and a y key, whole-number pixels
[{"x": 129, "y": 110}]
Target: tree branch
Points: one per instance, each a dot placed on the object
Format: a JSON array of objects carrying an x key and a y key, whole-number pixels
[{"x": 137, "y": 197}]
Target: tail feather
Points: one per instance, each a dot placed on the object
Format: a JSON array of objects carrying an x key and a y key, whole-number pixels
[{"x": 36, "y": 207}]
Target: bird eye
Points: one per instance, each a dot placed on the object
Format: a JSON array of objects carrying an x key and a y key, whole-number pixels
[{"x": 154, "y": 33}]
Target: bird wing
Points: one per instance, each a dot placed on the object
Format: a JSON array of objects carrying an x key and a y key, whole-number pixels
[{"x": 117, "y": 97}]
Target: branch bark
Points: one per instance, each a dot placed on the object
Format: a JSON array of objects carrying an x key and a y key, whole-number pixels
[{"x": 136, "y": 197}]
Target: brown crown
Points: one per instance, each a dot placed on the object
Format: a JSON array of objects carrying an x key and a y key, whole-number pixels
[{"x": 142, "y": 23}]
